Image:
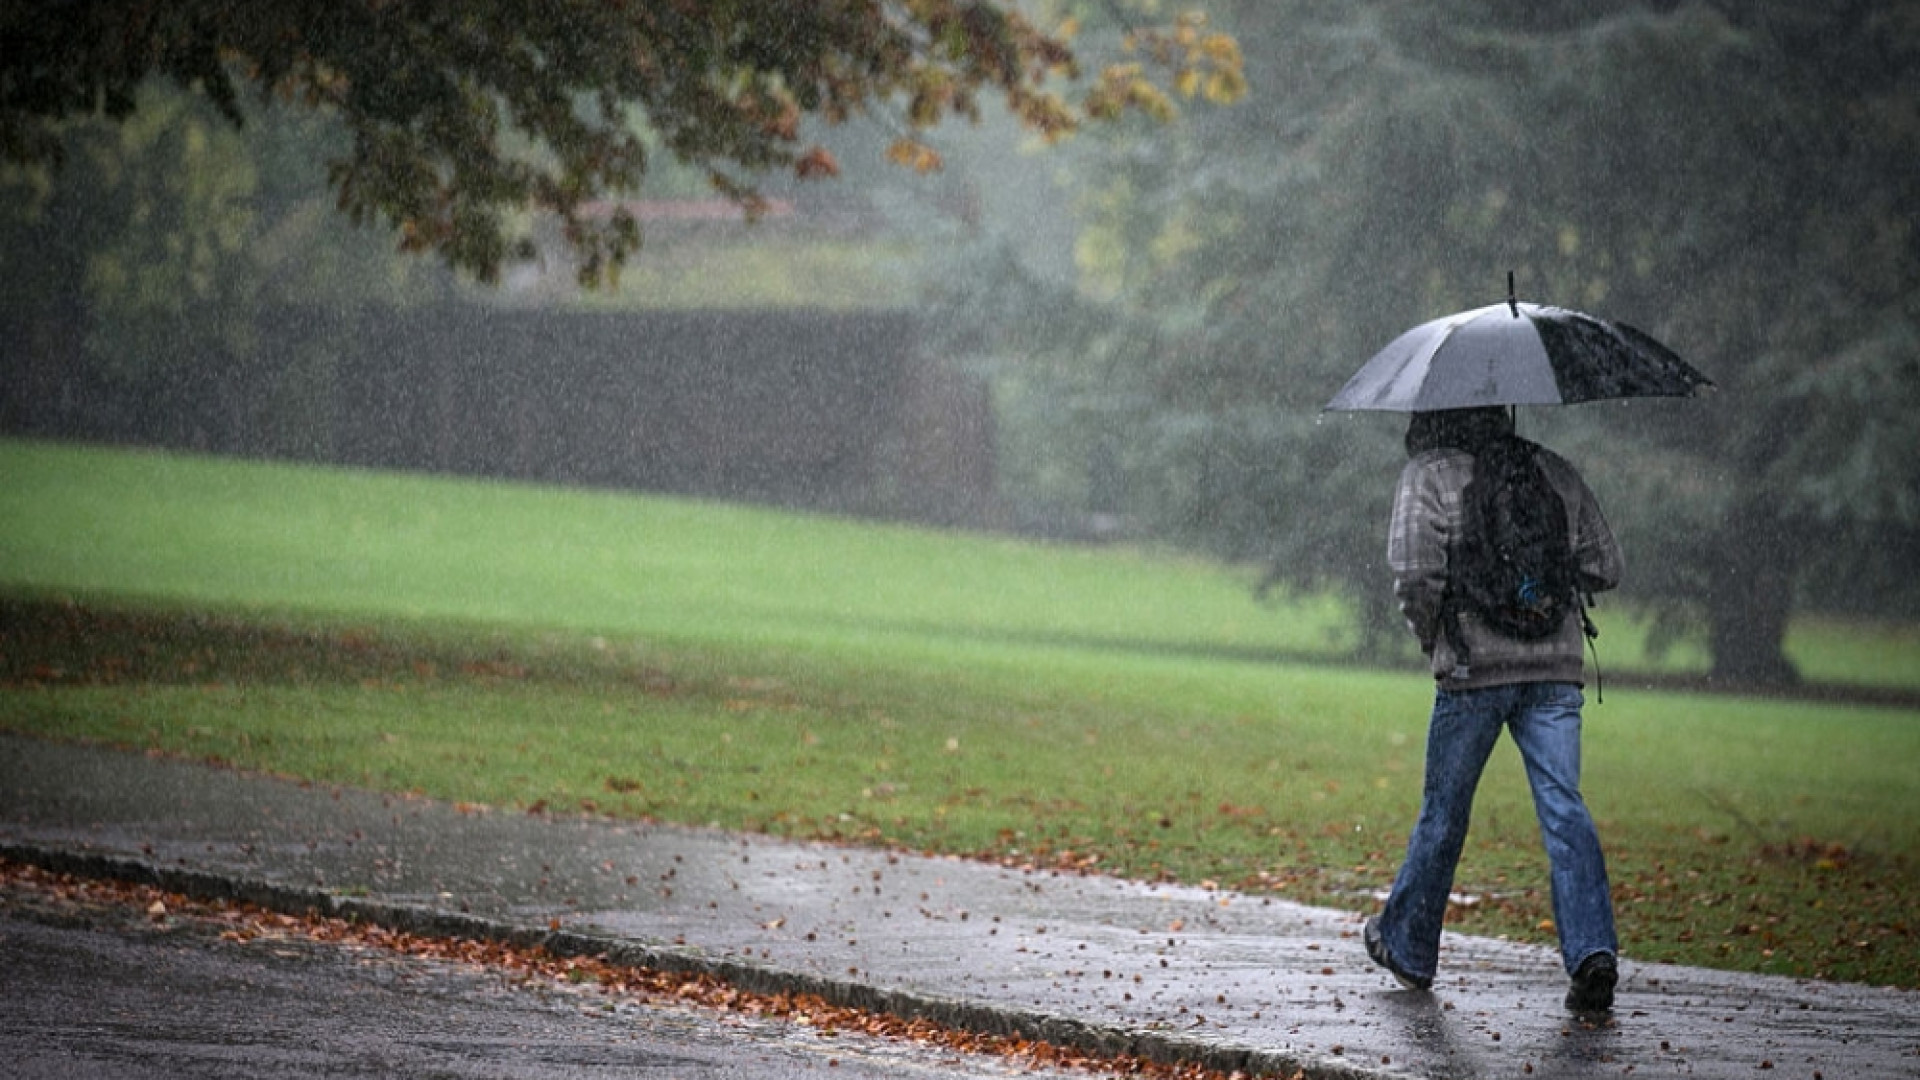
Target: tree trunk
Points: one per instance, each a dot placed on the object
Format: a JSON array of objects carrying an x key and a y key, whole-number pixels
[{"x": 1750, "y": 596}]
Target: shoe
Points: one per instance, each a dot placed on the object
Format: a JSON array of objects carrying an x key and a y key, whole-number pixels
[
  {"x": 1377, "y": 952},
  {"x": 1592, "y": 989}
]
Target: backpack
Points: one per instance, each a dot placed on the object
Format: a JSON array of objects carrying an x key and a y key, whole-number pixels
[{"x": 1512, "y": 564}]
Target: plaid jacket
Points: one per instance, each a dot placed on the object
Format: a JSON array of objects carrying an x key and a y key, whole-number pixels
[{"x": 1427, "y": 515}]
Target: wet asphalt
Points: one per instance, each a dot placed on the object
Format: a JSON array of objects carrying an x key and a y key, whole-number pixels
[
  {"x": 1180, "y": 973},
  {"x": 92, "y": 997}
]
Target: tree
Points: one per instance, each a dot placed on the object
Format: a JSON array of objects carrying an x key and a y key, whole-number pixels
[
  {"x": 459, "y": 115},
  {"x": 147, "y": 271},
  {"x": 1730, "y": 177},
  {"x": 1739, "y": 181}
]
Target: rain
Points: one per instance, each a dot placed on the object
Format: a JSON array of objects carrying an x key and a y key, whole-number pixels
[{"x": 892, "y": 435}]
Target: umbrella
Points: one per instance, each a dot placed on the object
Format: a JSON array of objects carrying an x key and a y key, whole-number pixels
[{"x": 1515, "y": 353}]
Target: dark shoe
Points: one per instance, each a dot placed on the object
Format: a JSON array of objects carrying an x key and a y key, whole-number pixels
[
  {"x": 1592, "y": 989},
  {"x": 1377, "y": 952}
]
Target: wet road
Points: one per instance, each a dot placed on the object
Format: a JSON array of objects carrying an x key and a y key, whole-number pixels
[{"x": 86, "y": 997}]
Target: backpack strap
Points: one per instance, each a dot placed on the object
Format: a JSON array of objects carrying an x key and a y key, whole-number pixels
[
  {"x": 1456, "y": 639},
  {"x": 1591, "y": 632}
]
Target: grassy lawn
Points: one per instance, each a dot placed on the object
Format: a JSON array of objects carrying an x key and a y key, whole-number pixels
[{"x": 1113, "y": 709}]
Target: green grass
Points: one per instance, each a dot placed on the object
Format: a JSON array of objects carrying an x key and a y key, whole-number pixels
[
  {"x": 1124, "y": 710},
  {"x": 385, "y": 545}
]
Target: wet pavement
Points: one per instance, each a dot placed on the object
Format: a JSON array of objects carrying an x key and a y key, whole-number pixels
[
  {"x": 86, "y": 995},
  {"x": 1181, "y": 973}
]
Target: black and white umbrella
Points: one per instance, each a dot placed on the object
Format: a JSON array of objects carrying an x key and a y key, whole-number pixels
[{"x": 1515, "y": 353}]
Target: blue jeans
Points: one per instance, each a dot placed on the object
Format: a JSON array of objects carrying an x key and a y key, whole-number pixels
[{"x": 1545, "y": 721}]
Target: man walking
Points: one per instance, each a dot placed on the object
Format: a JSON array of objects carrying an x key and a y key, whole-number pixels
[{"x": 1494, "y": 673}]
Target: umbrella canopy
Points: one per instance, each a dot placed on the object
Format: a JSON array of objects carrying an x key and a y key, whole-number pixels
[{"x": 1515, "y": 353}]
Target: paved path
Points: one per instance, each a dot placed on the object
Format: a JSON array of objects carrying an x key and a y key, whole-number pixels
[{"x": 1232, "y": 980}]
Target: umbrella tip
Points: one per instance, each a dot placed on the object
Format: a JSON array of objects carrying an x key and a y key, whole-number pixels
[{"x": 1512, "y": 304}]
